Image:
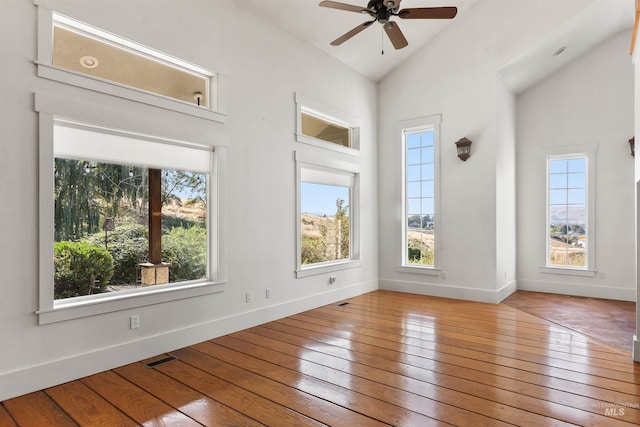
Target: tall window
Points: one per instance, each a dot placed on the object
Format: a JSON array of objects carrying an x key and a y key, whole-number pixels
[
  {"x": 420, "y": 185},
  {"x": 568, "y": 231},
  {"x": 327, "y": 214}
]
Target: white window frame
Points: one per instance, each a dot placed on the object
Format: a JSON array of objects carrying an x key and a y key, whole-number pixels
[
  {"x": 401, "y": 129},
  {"x": 50, "y": 109},
  {"x": 305, "y": 104},
  {"x": 328, "y": 166},
  {"x": 588, "y": 152},
  {"x": 46, "y": 69}
]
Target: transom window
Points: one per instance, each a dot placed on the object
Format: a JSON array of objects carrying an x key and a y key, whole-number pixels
[
  {"x": 326, "y": 127},
  {"x": 319, "y": 128},
  {"x": 88, "y": 50},
  {"x": 568, "y": 212}
]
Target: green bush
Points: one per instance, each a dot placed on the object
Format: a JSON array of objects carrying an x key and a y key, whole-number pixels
[
  {"x": 417, "y": 256},
  {"x": 80, "y": 269},
  {"x": 312, "y": 250},
  {"x": 129, "y": 246},
  {"x": 186, "y": 250}
]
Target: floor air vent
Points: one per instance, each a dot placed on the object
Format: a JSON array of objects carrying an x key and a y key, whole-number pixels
[{"x": 160, "y": 362}]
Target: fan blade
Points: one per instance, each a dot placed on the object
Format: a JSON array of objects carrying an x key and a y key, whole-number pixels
[
  {"x": 429, "y": 13},
  {"x": 395, "y": 35},
  {"x": 342, "y": 6},
  {"x": 347, "y": 36}
]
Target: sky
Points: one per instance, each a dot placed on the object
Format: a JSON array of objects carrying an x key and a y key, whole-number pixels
[{"x": 320, "y": 199}]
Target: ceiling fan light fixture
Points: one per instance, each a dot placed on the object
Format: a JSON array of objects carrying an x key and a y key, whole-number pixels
[{"x": 382, "y": 11}]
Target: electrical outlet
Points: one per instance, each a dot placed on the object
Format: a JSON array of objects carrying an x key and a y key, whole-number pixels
[
  {"x": 443, "y": 274},
  {"x": 248, "y": 297},
  {"x": 267, "y": 293},
  {"x": 134, "y": 321}
]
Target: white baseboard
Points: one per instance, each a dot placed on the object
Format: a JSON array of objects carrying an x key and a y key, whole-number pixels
[
  {"x": 448, "y": 291},
  {"x": 33, "y": 378},
  {"x": 577, "y": 289}
]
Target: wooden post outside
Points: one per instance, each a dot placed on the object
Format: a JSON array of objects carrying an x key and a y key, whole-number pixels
[{"x": 155, "y": 216}]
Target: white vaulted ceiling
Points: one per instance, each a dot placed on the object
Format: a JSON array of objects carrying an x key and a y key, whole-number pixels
[{"x": 318, "y": 26}]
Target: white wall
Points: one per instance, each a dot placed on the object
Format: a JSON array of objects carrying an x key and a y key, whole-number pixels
[
  {"x": 590, "y": 101},
  {"x": 505, "y": 192},
  {"x": 264, "y": 68},
  {"x": 456, "y": 75},
  {"x": 636, "y": 62}
]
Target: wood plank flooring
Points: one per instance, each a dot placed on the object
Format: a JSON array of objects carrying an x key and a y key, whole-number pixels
[
  {"x": 383, "y": 358},
  {"x": 610, "y": 321}
]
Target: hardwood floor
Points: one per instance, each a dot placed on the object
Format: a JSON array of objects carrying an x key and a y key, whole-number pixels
[
  {"x": 609, "y": 321},
  {"x": 383, "y": 358}
]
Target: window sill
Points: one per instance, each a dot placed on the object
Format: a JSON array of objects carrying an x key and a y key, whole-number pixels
[
  {"x": 327, "y": 268},
  {"x": 568, "y": 271},
  {"x": 117, "y": 301},
  {"x": 427, "y": 271},
  {"x": 104, "y": 86},
  {"x": 327, "y": 145}
]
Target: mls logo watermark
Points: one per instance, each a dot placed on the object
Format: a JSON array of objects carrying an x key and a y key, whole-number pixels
[{"x": 616, "y": 409}]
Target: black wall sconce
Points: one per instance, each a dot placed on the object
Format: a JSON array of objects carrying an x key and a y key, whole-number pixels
[
  {"x": 464, "y": 148},
  {"x": 632, "y": 143}
]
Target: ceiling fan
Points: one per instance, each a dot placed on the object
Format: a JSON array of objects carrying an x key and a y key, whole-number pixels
[{"x": 382, "y": 11}]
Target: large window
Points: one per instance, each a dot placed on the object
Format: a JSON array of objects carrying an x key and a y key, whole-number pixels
[
  {"x": 568, "y": 230},
  {"x": 102, "y": 228},
  {"x": 327, "y": 211},
  {"x": 420, "y": 190},
  {"x": 124, "y": 216}
]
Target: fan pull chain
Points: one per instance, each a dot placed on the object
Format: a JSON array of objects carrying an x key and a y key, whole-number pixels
[{"x": 382, "y": 41}]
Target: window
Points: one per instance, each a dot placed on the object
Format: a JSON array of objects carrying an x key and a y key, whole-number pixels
[
  {"x": 319, "y": 128},
  {"x": 88, "y": 53},
  {"x": 327, "y": 214},
  {"x": 569, "y": 225},
  {"x": 126, "y": 219},
  {"x": 79, "y": 54},
  {"x": 420, "y": 141},
  {"x": 325, "y": 223},
  {"x": 102, "y": 229},
  {"x": 325, "y": 127}
]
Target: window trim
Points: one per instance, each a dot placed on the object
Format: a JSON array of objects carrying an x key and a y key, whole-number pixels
[
  {"x": 330, "y": 165},
  {"x": 47, "y": 70},
  {"x": 318, "y": 109},
  {"x": 589, "y": 152},
  {"x": 400, "y": 130},
  {"x": 51, "y": 310}
]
